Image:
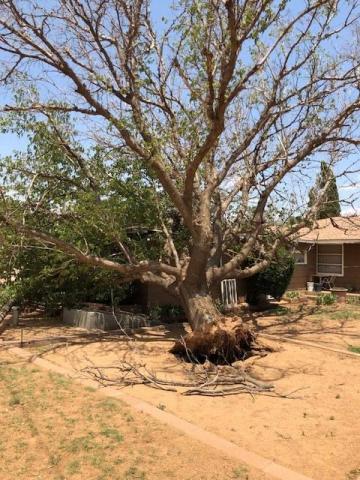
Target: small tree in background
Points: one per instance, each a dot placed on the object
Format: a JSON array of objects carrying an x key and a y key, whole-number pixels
[{"x": 330, "y": 206}]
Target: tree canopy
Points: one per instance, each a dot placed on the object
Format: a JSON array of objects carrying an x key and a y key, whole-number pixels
[{"x": 216, "y": 115}]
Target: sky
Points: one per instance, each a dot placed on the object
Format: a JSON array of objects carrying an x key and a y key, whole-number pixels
[
  {"x": 162, "y": 8},
  {"x": 10, "y": 142}
]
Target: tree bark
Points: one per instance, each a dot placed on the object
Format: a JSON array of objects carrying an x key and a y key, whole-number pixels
[
  {"x": 214, "y": 337},
  {"x": 199, "y": 306}
]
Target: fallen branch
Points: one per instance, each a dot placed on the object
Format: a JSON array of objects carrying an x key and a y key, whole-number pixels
[{"x": 214, "y": 381}]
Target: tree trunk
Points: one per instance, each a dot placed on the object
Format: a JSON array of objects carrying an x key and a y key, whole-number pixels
[
  {"x": 199, "y": 306},
  {"x": 214, "y": 337}
]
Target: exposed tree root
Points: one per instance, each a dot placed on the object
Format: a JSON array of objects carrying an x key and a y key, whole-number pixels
[{"x": 221, "y": 343}]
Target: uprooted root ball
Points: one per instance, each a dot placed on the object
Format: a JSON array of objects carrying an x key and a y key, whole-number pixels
[{"x": 221, "y": 342}]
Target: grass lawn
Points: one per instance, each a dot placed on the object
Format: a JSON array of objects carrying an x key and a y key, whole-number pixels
[{"x": 53, "y": 428}]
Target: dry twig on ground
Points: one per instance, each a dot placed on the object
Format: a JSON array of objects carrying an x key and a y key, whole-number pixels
[{"x": 207, "y": 379}]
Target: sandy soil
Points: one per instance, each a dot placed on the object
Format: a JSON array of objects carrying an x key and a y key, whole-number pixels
[
  {"x": 317, "y": 434},
  {"x": 335, "y": 326},
  {"x": 34, "y": 325},
  {"x": 53, "y": 429}
]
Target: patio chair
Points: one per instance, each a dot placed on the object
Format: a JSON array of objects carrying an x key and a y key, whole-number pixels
[{"x": 327, "y": 283}]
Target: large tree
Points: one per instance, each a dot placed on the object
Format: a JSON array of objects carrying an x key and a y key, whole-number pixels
[
  {"x": 331, "y": 205},
  {"x": 224, "y": 106}
]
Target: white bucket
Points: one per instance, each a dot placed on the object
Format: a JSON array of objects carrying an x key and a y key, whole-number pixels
[{"x": 310, "y": 286}]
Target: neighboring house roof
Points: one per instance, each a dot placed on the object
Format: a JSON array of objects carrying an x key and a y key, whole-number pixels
[{"x": 332, "y": 230}]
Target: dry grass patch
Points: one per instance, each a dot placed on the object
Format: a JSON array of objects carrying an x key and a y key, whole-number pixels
[
  {"x": 53, "y": 429},
  {"x": 316, "y": 433}
]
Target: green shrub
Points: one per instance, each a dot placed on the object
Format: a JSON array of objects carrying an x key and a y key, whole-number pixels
[
  {"x": 353, "y": 299},
  {"x": 53, "y": 282},
  {"x": 166, "y": 313},
  {"x": 155, "y": 313},
  {"x": 172, "y": 311},
  {"x": 279, "y": 311},
  {"x": 274, "y": 280},
  {"x": 326, "y": 299},
  {"x": 292, "y": 295},
  {"x": 220, "y": 305},
  {"x": 7, "y": 292}
]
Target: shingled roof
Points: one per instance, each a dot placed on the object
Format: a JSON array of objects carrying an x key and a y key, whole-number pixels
[{"x": 332, "y": 230}]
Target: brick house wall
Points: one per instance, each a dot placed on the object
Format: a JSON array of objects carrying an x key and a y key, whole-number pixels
[
  {"x": 304, "y": 273},
  {"x": 150, "y": 295},
  {"x": 351, "y": 279}
]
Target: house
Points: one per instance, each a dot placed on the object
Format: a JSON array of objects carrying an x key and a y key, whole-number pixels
[{"x": 330, "y": 251}]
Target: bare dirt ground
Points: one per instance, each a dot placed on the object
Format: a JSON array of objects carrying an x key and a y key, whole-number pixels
[
  {"x": 335, "y": 326},
  {"x": 53, "y": 429},
  {"x": 317, "y": 433},
  {"x": 35, "y": 326}
]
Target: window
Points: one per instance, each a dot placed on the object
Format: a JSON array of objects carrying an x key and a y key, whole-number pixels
[
  {"x": 300, "y": 257},
  {"x": 330, "y": 260}
]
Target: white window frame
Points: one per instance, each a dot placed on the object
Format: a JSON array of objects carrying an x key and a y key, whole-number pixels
[
  {"x": 305, "y": 257},
  {"x": 331, "y": 274}
]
